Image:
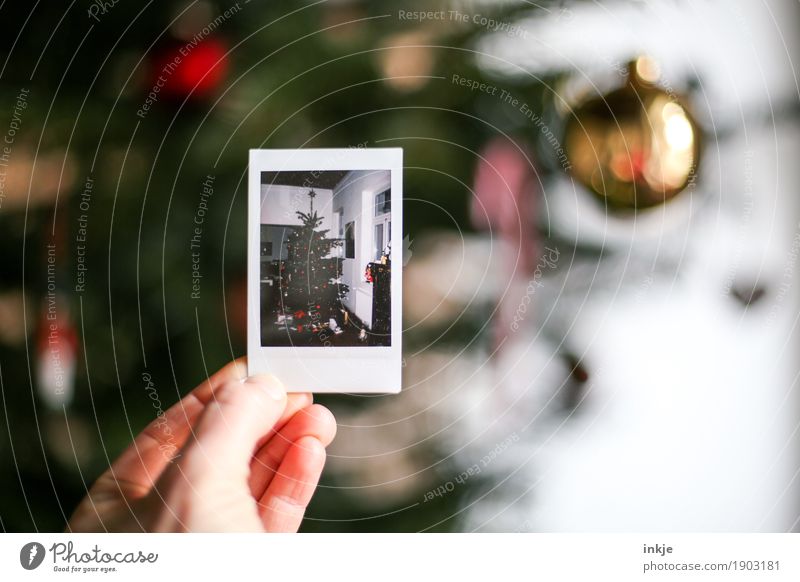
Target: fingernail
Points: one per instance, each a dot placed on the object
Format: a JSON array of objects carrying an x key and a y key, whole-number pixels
[{"x": 270, "y": 384}]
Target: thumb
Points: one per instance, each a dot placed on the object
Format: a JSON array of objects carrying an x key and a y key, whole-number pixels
[{"x": 231, "y": 427}]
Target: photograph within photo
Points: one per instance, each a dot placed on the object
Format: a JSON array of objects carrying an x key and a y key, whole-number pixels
[{"x": 326, "y": 264}]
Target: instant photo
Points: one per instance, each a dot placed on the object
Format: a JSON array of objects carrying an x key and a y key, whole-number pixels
[{"x": 325, "y": 268}]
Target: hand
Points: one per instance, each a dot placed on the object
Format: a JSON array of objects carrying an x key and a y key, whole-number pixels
[{"x": 233, "y": 455}]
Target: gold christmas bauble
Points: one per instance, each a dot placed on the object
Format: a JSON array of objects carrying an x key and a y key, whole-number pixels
[{"x": 635, "y": 147}]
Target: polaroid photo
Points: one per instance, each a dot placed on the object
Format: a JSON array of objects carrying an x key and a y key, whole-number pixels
[{"x": 325, "y": 268}]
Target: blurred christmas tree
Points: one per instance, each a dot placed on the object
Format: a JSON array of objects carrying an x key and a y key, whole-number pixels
[{"x": 130, "y": 160}]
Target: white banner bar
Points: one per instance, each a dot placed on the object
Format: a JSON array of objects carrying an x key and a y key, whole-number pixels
[{"x": 401, "y": 557}]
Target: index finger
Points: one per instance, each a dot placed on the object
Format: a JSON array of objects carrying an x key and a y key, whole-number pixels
[{"x": 141, "y": 464}]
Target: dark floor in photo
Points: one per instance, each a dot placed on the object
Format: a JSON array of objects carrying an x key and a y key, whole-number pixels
[{"x": 282, "y": 335}]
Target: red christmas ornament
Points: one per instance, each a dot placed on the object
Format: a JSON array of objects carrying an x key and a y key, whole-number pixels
[
  {"x": 181, "y": 69},
  {"x": 56, "y": 353}
]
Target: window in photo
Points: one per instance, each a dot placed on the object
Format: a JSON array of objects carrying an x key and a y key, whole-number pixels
[
  {"x": 350, "y": 240},
  {"x": 383, "y": 202},
  {"x": 338, "y": 232}
]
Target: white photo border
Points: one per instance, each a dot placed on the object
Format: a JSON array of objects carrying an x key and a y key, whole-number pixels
[{"x": 360, "y": 370}]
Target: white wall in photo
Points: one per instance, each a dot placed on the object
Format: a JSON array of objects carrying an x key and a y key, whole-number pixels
[
  {"x": 355, "y": 197},
  {"x": 279, "y": 204}
]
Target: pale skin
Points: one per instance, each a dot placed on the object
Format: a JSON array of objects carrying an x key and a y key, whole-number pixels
[{"x": 243, "y": 456}]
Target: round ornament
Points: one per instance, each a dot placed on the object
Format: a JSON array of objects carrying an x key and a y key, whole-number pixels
[{"x": 635, "y": 147}]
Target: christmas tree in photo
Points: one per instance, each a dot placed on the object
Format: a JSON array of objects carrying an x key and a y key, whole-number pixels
[{"x": 311, "y": 291}]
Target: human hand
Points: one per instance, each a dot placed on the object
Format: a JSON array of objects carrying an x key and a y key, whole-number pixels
[{"x": 233, "y": 455}]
